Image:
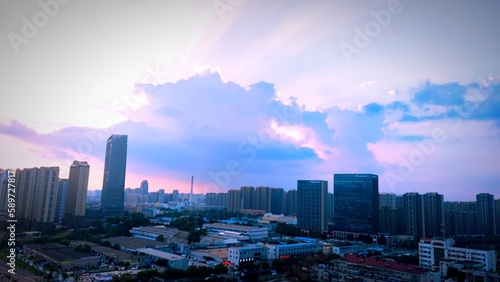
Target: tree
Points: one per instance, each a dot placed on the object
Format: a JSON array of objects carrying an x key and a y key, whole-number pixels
[
  {"x": 220, "y": 269},
  {"x": 84, "y": 248},
  {"x": 382, "y": 240},
  {"x": 160, "y": 238},
  {"x": 287, "y": 229}
]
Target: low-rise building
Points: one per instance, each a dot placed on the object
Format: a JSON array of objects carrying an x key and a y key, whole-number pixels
[
  {"x": 131, "y": 244},
  {"x": 432, "y": 251},
  {"x": 152, "y": 232},
  {"x": 289, "y": 250},
  {"x": 269, "y": 217},
  {"x": 173, "y": 261},
  {"x": 218, "y": 255},
  {"x": 359, "y": 268},
  {"x": 239, "y": 255},
  {"x": 63, "y": 256},
  {"x": 221, "y": 229}
]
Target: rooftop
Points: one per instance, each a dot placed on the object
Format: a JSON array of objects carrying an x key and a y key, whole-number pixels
[
  {"x": 383, "y": 263},
  {"x": 231, "y": 226},
  {"x": 221, "y": 252},
  {"x": 134, "y": 242},
  {"x": 58, "y": 252},
  {"x": 159, "y": 254}
]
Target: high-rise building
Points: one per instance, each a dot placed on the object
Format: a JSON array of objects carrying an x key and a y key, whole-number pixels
[
  {"x": 3, "y": 190},
  {"x": 433, "y": 215},
  {"x": 291, "y": 202},
  {"x": 331, "y": 206},
  {"x": 387, "y": 200},
  {"x": 247, "y": 195},
  {"x": 153, "y": 197},
  {"x": 277, "y": 201},
  {"x": 62, "y": 195},
  {"x": 262, "y": 198},
  {"x": 222, "y": 200},
  {"x": 161, "y": 196},
  {"x": 486, "y": 213},
  {"x": 113, "y": 186},
  {"x": 37, "y": 196},
  {"x": 413, "y": 214},
  {"x": 210, "y": 199},
  {"x": 461, "y": 219},
  {"x": 312, "y": 205},
  {"x": 497, "y": 216},
  {"x": 77, "y": 193},
  {"x": 234, "y": 200},
  {"x": 387, "y": 219},
  {"x": 400, "y": 219},
  {"x": 356, "y": 203},
  {"x": 144, "y": 187}
]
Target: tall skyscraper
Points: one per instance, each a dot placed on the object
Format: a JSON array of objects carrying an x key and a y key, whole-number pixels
[
  {"x": 37, "y": 196},
  {"x": 331, "y": 205},
  {"x": 413, "y": 214},
  {"x": 433, "y": 215},
  {"x": 497, "y": 216},
  {"x": 277, "y": 201},
  {"x": 144, "y": 187},
  {"x": 262, "y": 198},
  {"x": 62, "y": 195},
  {"x": 247, "y": 195},
  {"x": 161, "y": 196},
  {"x": 3, "y": 189},
  {"x": 76, "y": 201},
  {"x": 356, "y": 203},
  {"x": 234, "y": 200},
  {"x": 486, "y": 213},
  {"x": 312, "y": 205},
  {"x": 113, "y": 186},
  {"x": 291, "y": 202}
]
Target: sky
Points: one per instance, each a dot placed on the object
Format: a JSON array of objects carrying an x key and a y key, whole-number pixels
[{"x": 256, "y": 93}]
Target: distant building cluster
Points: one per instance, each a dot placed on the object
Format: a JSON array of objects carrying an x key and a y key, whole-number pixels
[{"x": 355, "y": 209}]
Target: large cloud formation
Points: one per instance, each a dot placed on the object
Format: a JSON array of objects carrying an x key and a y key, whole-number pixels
[{"x": 228, "y": 135}]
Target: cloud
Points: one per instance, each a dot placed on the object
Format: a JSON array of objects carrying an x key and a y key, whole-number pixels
[
  {"x": 229, "y": 135},
  {"x": 367, "y": 83}
]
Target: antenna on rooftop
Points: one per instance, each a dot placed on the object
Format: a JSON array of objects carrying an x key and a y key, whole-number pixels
[{"x": 191, "y": 195}]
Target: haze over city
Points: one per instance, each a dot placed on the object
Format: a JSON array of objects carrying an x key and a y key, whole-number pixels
[{"x": 257, "y": 93}]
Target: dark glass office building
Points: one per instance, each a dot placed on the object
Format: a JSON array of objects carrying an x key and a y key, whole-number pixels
[
  {"x": 356, "y": 203},
  {"x": 114, "y": 176},
  {"x": 312, "y": 205}
]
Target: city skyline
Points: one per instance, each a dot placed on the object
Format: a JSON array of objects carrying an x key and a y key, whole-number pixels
[{"x": 257, "y": 93}]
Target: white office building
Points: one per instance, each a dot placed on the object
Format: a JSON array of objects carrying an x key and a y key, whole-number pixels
[
  {"x": 240, "y": 255},
  {"x": 290, "y": 250},
  {"x": 432, "y": 251}
]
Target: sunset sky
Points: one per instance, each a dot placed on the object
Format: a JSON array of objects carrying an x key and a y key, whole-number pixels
[{"x": 260, "y": 93}]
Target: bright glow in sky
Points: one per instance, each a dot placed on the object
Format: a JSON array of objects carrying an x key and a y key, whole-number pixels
[{"x": 256, "y": 92}]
